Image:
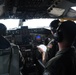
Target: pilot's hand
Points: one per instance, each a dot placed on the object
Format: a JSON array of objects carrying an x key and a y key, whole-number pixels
[{"x": 42, "y": 48}]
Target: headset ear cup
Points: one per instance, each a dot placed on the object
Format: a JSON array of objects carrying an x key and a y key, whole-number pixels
[{"x": 58, "y": 36}]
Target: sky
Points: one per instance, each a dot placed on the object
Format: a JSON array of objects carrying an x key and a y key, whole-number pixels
[
  {"x": 32, "y": 23},
  {"x": 10, "y": 23},
  {"x": 37, "y": 23}
]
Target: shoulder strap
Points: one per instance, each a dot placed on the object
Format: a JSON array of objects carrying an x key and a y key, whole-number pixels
[
  {"x": 14, "y": 65},
  {"x": 10, "y": 58},
  {"x": 4, "y": 61}
]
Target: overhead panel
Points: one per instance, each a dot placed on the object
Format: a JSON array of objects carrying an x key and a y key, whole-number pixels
[{"x": 28, "y": 9}]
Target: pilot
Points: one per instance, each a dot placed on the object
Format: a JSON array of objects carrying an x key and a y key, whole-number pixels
[
  {"x": 64, "y": 62},
  {"x": 9, "y": 56},
  {"x": 52, "y": 45},
  {"x": 3, "y": 42}
]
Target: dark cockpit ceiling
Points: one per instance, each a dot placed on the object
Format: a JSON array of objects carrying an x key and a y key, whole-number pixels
[{"x": 29, "y": 9}]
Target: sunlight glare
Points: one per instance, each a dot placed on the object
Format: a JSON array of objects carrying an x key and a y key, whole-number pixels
[
  {"x": 37, "y": 23},
  {"x": 10, "y": 23}
]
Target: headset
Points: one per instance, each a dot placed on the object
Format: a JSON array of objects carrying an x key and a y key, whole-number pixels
[{"x": 58, "y": 35}]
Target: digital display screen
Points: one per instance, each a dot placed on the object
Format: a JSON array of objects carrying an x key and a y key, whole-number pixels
[{"x": 38, "y": 37}]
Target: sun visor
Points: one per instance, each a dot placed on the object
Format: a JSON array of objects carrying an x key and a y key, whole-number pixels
[{"x": 57, "y": 11}]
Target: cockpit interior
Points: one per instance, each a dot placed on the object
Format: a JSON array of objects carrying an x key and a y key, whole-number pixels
[{"x": 26, "y": 34}]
